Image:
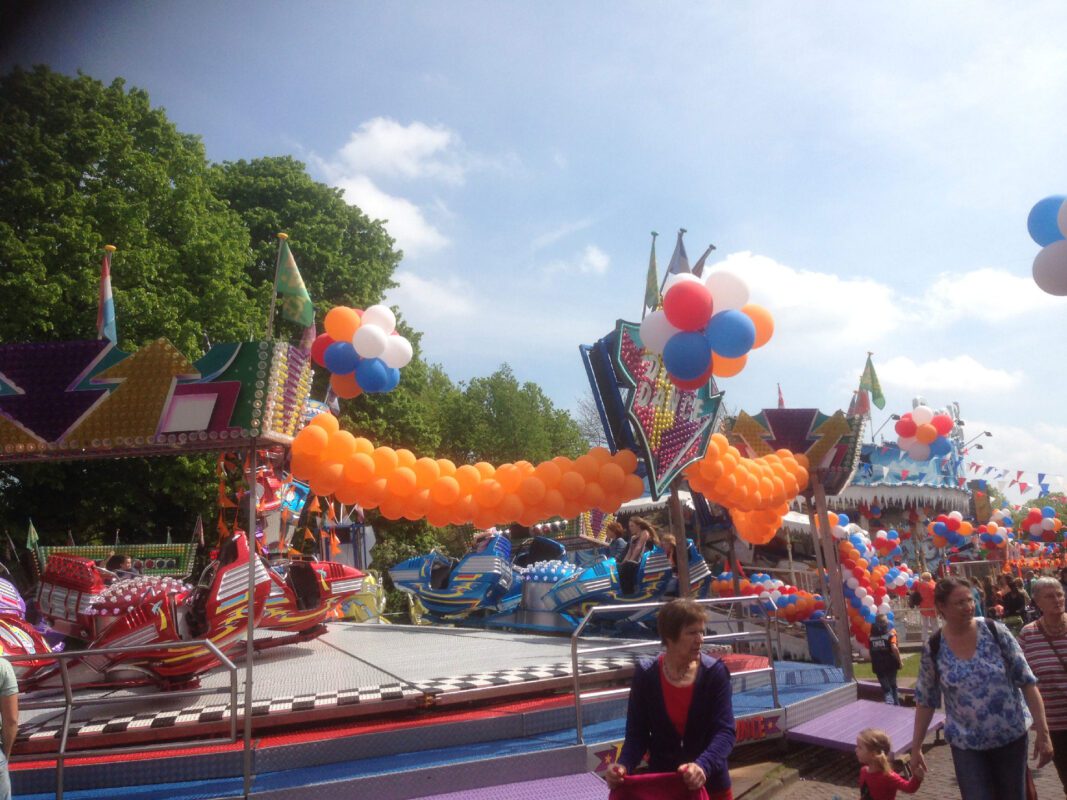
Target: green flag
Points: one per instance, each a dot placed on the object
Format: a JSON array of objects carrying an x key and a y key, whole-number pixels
[
  {"x": 296, "y": 302},
  {"x": 652, "y": 281},
  {"x": 32, "y": 540},
  {"x": 869, "y": 381}
]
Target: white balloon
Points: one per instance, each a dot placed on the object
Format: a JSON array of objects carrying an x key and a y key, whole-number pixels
[
  {"x": 370, "y": 341},
  {"x": 861, "y": 593},
  {"x": 885, "y": 608},
  {"x": 776, "y": 595},
  {"x": 1048, "y": 524},
  {"x": 852, "y": 582},
  {"x": 1050, "y": 267},
  {"x": 956, "y": 515},
  {"x": 655, "y": 331},
  {"x": 905, "y": 442},
  {"x": 397, "y": 352},
  {"x": 380, "y": 316},
  {"x": 922, "y": 414},
  {"x": 676, "y": 278},
  {"x": 727, "y": 290}
]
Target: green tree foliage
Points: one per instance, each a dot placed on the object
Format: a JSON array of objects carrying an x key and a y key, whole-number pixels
[
  {"x": 344, "y": 257},
  {"x": 83, "y": 165}
]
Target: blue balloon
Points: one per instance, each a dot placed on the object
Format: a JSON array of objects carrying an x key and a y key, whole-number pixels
[
  {"x": 940, "y": 446},
  {"x": 687, "y": 355},
  {"x": 372, "y": 374},
  {"x": 940, "y": 528},
  {"x": 731, "y": 333},
  {"x": 1041, "y": 222},
  {"x": 1048, "y": 512},
  {"x": 893, "y": 535},
  {"x": 341, "y": 358},
  {"x": 393, "y": 379},
  {"x": 842, "y": 520}
]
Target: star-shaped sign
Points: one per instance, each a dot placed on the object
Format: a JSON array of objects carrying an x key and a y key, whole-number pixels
[{"x": 671, "y": 426}]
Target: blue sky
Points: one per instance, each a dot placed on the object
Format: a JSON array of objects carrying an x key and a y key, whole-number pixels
[{"x": 868, "y": 168}]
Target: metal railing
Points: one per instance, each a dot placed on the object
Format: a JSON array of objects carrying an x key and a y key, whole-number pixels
[
  {"x": 765, "y": 635},
  {"x": 68, "y": 700}
]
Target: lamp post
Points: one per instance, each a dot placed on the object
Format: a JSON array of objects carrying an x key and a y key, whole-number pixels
[
  {"x": 975, "y": 439},
  {"x": 875, "y": 434}
]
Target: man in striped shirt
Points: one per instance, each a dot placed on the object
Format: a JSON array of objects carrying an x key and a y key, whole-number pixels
[{"x": 1044, "y": 643}]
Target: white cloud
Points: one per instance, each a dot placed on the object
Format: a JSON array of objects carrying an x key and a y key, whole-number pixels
[
  {"x": 996, "y": 295},
  {"x": 383, "y": 146},
  {"x": 1033, "y": 449},
  {"x": 590, "y": 261},
  {"x": 558, "y": 233},
  {"x": 405, "y": 221},
  {"x": 958, "y": 375},
  {"x": 427, "y": 300}
]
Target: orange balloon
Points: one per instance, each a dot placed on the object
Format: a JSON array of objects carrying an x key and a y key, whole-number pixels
[
  {"x": 626, "y": 459},
  {"x": 587, "y": 467},
  {"x": 311, "y": 441},
  {"x": 553, "y": 504},
  {"x": 611, "y": 477},
  {"x": 532, "y": 491},
  {"x": 445, "y": 490},
  {"x": 373, "y": 492},
  {"x": 763, "y": 321},
  {"x": 548, "y": 473},
  {"x": 359, "y": 468},
  {"x": 385, "y": 460},
  {"x": 510, "y": 508},
  {"x": 341, "y": 323},
  {"x": 446, "y": 467},
  {"x": 509, "y": 476},
  {"x": 633, "y": 487},
  {"x": 327, "y": 479},
  {"x": 345, "y": 386},
  {"x": 468, "y": 477},
  {"x": 593, "y": 496},
  {"x": 405, "y": 458},
  {"x": 926, "y": 433},
  {"x": 485, "y": 469},
  {"x": 348, "y": 494},
  {"x": 727, "y": 367},
  {"x": 364, "y": 445},
  {"x": 342, "y": 445},
  {"x": 327, "y": 421},
  {"x": 571, "y": 485},
  {"x": 426, "y": 472},
  {"x": 601, "y": 455},
  {"x": 488, "y": 493},
  {"x": 402, "y": 482}
]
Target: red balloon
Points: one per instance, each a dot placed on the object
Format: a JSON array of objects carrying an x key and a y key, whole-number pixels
[
  {"x": 688, "y": 305},
  {"x": 953, "y": 524},
  {"x": 942, "y": 424},
  {"x": 905, "y": 427},
  {"x": 318, "y": 348},
  {"x": 693, "y": 384}
]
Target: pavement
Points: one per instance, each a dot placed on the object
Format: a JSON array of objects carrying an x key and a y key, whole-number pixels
[{"x": 791, "y": 772}]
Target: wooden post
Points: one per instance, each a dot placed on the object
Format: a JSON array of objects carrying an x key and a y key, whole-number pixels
[
  {"x": 837, "y": 592},
  {"x": 820, "y": 556},
  {"x": 681, "y": 546}
]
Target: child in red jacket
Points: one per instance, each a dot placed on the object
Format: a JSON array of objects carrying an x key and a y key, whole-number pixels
[{"x": 877, "y": 779}]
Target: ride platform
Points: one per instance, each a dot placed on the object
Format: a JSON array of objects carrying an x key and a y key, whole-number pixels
[{"x": 387, "y": 711}]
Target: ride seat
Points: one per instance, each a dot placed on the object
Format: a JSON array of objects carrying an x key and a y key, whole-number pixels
[
  {"x": 440, "y": 572},
  {"x": 305, "y": 585}
]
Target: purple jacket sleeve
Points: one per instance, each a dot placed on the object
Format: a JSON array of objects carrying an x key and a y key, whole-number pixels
[
  {"x": 638, "y": 722},
  {"x": 719, "y": 710}
]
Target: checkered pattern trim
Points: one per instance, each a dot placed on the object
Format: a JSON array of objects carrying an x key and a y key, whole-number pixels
[
  {"x": 505, "y": 677},
  {"x": 217, "y": 713}
]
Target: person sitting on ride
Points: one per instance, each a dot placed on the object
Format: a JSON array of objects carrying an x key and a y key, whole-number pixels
[
  {"x": 618, "y": 544},
  {"x": 121, "y": 566},
  {"x": 642, "y": 537},
  {"x": 680, "y": 710}
]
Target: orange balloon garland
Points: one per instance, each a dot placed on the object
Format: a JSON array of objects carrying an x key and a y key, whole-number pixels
[{"x": 402, "y": 485}]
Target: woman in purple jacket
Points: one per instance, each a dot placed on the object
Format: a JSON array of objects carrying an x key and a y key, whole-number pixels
[{"x": 681, "y": 710}]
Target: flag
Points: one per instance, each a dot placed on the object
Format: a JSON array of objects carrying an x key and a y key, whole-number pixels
[
  {"x": 105, "y": 309},
  {"x": 698, "y": 268},
  {"x": 308, "y": 339},
  {"x": 198, "y": 531},
  {"x": 335, "y": 545},
  {"x": 32, "y": 540},
  {"x": 781, "y": 400},
  {"x": 117, "y": 542},
  {"x": 860, "y": 405},
  {"x": 70, "y": 539},
  {"x": 168, "y": 536},
  {"x": 679, "y": 260},
  {"x": 869, "y": 382},
  {"x": 308, "y": 535},
  {"x": 296, "y": 302},
  {"x": 652, "y": 281}
]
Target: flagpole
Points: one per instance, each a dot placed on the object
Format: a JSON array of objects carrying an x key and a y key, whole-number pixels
[{"x": 274, "y": 294}]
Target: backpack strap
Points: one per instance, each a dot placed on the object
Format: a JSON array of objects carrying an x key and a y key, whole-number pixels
[{"x": 935, "y": 647}]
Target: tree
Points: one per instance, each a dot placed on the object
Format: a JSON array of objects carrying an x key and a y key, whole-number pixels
[
  {"x": 343, "y": 256},
  {"x": 589, "y": 422}
]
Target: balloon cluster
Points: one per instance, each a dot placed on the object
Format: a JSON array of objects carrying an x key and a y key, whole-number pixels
[
  {"x": 887, "y": 543},
  {"x": 545, "y": 572},
  {"x": 1042, "y": 524},
  {"x": 867, "y": 582},
  {"x": 1047, "y": 224},
  {"x": 706, "y": 327},
  {"x": 996, "y": 533},
  {"x": 950, "y": 530},
  {"x": 756, "y": 491},
  {"x": 923, "y": 434},
  {"x": 776, "y": 597},
  {"x": 362, "y": 350},
  {"x": 398, "y": 484}
]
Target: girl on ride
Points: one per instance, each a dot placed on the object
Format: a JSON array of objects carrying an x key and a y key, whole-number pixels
[
  {"x": 680, "y": 711},
  {"x": 877, "y": 779},
  {"x": 642, "y": 537},
  {"x": 990, "y": 695}
]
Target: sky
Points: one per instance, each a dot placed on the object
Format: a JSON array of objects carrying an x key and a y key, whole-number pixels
[{"x": 866, "y": 168}]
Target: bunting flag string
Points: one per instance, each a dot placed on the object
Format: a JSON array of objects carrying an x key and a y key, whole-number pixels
[{"x": 1025, "y": 481}]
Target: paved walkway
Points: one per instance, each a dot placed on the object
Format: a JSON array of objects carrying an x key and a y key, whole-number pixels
[{"x": 815, "y": 773}]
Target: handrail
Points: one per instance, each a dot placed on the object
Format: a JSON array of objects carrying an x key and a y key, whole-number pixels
[
  {"x": 711, "y": 601},
  {"x": 68, "y": 702}
]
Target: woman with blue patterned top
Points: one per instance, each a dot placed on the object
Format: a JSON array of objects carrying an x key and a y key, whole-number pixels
[{"x": 991, "y": 699}]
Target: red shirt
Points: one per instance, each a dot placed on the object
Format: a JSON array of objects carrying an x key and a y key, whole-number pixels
[
  {"x": 677, "y": 699},
  {"x": 926, "y": 590},
  {"x": 885, "y": 785}
]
